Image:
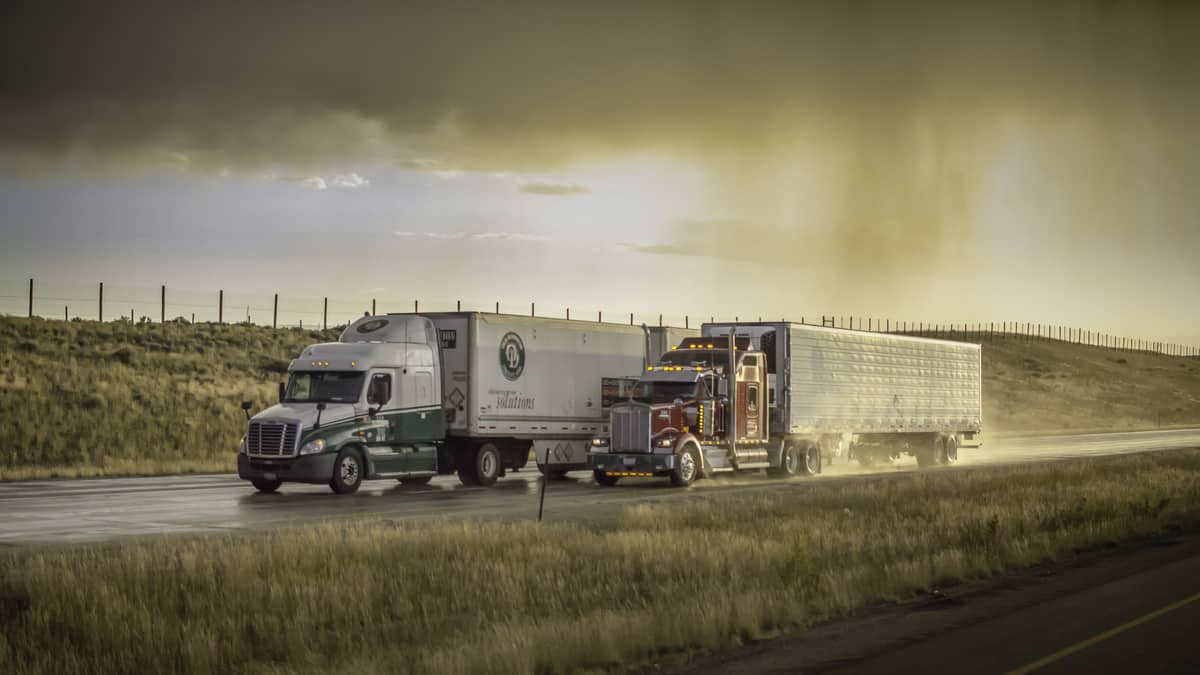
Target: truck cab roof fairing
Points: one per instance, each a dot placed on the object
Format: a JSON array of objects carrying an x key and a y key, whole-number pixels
[{"x": 412, "y": 328}]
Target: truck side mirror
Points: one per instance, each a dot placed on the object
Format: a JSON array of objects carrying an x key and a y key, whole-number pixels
[{"x": 246, "y": 405}]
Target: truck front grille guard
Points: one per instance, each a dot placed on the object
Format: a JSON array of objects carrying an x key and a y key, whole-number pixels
[
  {"x": 630, "y": 431},
  {"x": 272, "y": 439}
]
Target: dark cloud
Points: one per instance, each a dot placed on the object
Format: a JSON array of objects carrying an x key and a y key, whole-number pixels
[
  {"x": 553, "y": 189},
  {"x": 878, "y": 129}
]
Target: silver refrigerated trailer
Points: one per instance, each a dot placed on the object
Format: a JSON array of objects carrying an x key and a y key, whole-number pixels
[{"x": 789, "y": 397}]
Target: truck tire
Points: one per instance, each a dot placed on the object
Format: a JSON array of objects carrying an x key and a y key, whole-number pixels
[
  {"x": 789, "y": 461},
  {"x": 605, "y": 479},
  {"x": 348, "y": 472},
  {"x": 812, "y": 459},
  {"x": 264, "y": 485},
  {"x": 552, "y": 474},
  {"x": 951, "y": 449},
  {"x": 487, "y": 464},
  {"x": 930, "y": 456},
  {"x": 689, "y": 467},
  {"x": 415, "y": 480}
]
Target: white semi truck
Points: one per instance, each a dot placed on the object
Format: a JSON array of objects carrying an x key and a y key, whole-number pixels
[
  {"x": 409, "y": 396},
  {"x": 787, "y": 397}
]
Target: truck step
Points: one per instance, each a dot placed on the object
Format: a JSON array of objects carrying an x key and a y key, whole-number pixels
[{"x": 753, "y": 465}]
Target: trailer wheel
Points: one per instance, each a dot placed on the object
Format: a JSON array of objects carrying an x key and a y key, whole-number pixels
[
  {"x": 487, "y": 464},
  {"x": 347, "y": 472},
  {"x": 264, "y": 485},
  {"x": 415, "y": 480},
  {"x": 950, "y": 450},
  {"x": 789, "y": 461},
  {"x": 812, "y": 459},
  {"x": 552, "y": 474},
  {"x": 689, "y": 467},
  {"x": 932, "y": 455},
  {"x": 606, "y": 480}
]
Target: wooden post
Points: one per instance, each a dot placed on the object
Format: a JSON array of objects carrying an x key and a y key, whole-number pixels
[
  {"x": 163, "y": 317},
  {"x": 130, "y": 315},
  {"x": 531, "y": 309},
  {"x": 660, "y": 320},
  {"x": 100, "y": 313},
  {"x": 31, "y": 298},
  {"x": 685, "y": 321},
  {"x": 221, "y": 306},
  {"x": 325, "y": 315},
  {"x": 193, "y": 317},
  {"x": 497, "y": 306},
  {"x": 459, "y": 306},
  {"x": 568, "y": 314},
  {"x": 372, "y": 306},
  {"x": 275, "y": 313},
  {"x": 416, "y": 307},
  {"x": 66, "y": 314}
]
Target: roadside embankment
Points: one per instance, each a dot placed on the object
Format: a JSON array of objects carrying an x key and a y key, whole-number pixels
[{"x": 485, "y": 597}]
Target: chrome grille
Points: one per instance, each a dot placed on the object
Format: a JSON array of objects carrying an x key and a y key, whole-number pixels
[
  {"x": 630, "y": 428},
  {"x": 272, "y": 439}
]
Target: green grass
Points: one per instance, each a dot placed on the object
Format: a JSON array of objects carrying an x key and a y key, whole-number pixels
[
  {"x": 668, "y": 579},
  {"x": 83, "y": 398}
]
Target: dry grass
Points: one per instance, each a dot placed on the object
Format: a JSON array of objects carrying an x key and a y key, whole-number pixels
[
  {"x": 89, "y": 399},
  {"x": 1046, "y": 385},
  {"x": 490, "y": 598}
]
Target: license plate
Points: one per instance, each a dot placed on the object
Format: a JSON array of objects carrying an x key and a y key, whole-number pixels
[
  {"x": 630, "y": 461},
  {"x": 269, "y": 476}
]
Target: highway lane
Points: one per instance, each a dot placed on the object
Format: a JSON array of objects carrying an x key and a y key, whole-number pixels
[{"x": 94, "y": 510}]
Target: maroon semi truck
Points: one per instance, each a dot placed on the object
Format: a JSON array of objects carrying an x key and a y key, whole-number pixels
[{"x": 800, "y": 396}]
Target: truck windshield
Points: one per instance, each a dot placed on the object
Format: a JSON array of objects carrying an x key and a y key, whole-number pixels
[
  {"x": 695, "y": 357},
  {"x": 664, "y": 392},
  {"x": 324, "y": 387}
]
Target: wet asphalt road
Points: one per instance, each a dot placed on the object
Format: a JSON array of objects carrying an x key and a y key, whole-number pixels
[{"x": 95, "y": 510}]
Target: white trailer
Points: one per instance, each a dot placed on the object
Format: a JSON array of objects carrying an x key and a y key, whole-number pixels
[{"x": 515, "y": 383}]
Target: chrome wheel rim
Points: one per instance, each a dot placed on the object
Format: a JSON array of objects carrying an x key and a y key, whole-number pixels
[
  {"x": 687, "y": 467},
  {"x": 789, "y": 459},
  {"x": 349, "y": 470},
  {"x": 487, "y": 463}
]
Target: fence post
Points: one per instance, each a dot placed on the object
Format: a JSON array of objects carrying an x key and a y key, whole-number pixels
[
  {"x": 221, "y": 306},
  {"x": 66, "y": 313},
  {"x": 325, "y": 315},
  {"x": 497, "y": 306},
  {"x": 532, "y": 307},
  {"x": 100, "y": 313},
  {"x": 163, "y": 318},
  {"x": 372, "y": 306},
  {"x": 31, "y": 298},
  {"x": 130, "y": 315},
  {"x": 568, "y": 314},
  {"x": 660, "y": 320},
  {"x": 459, "y": 306},
  {"x": 416, "y": 307},
  {"x": 275, "y": 312},
  {"x": 685, "y": 321}
]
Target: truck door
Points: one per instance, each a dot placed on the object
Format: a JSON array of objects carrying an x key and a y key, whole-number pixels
[
  {"x": 380, "y": 435},
  {"x": 751, "y": 411},
  {"x": 420, "y": 404}
]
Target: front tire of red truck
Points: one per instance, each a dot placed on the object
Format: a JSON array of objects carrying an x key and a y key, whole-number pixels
[{"x": 689, "y": 466}]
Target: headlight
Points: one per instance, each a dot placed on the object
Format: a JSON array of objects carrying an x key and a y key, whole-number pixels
[
  {"x": 599, "y": 442},
  {"x": 242, "y": 445},
  {"x": 666, "y": 442},
  {"x": 313, "y": 447}
]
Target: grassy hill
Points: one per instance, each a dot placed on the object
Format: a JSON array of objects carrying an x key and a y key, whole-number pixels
[{"x": 85, "y": 398}]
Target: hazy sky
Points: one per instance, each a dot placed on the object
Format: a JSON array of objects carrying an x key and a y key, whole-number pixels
[{"x": 920, "y": 161}]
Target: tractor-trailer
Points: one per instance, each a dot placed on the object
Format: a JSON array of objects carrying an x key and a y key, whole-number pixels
[
  {"x": 802, "y": 395},
  {"x": 410, "y": 396}
]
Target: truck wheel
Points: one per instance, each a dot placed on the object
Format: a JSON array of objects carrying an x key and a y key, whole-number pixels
[
  {"x": 347, "y": 472},
  {"x": 951, "y": 449},
  {"x": 812, "y": 459},
  {"x": 552, "y": 474},
  {"x": 415, "y": 480},
  {"x": 789, "y": 462},
  {"x": 487, "y": 464},
  {"x": 931, "y": 456},
  {"x": 264, "y": 485},
  {"x": 605, "y": 479},
  {"x": 689, "y": 466}
]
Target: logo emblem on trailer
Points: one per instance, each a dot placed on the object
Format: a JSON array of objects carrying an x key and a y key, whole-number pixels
[{"x": 512, "y": 356}]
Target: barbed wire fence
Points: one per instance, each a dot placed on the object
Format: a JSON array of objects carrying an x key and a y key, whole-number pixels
[{"x": 163, "y": 304}]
